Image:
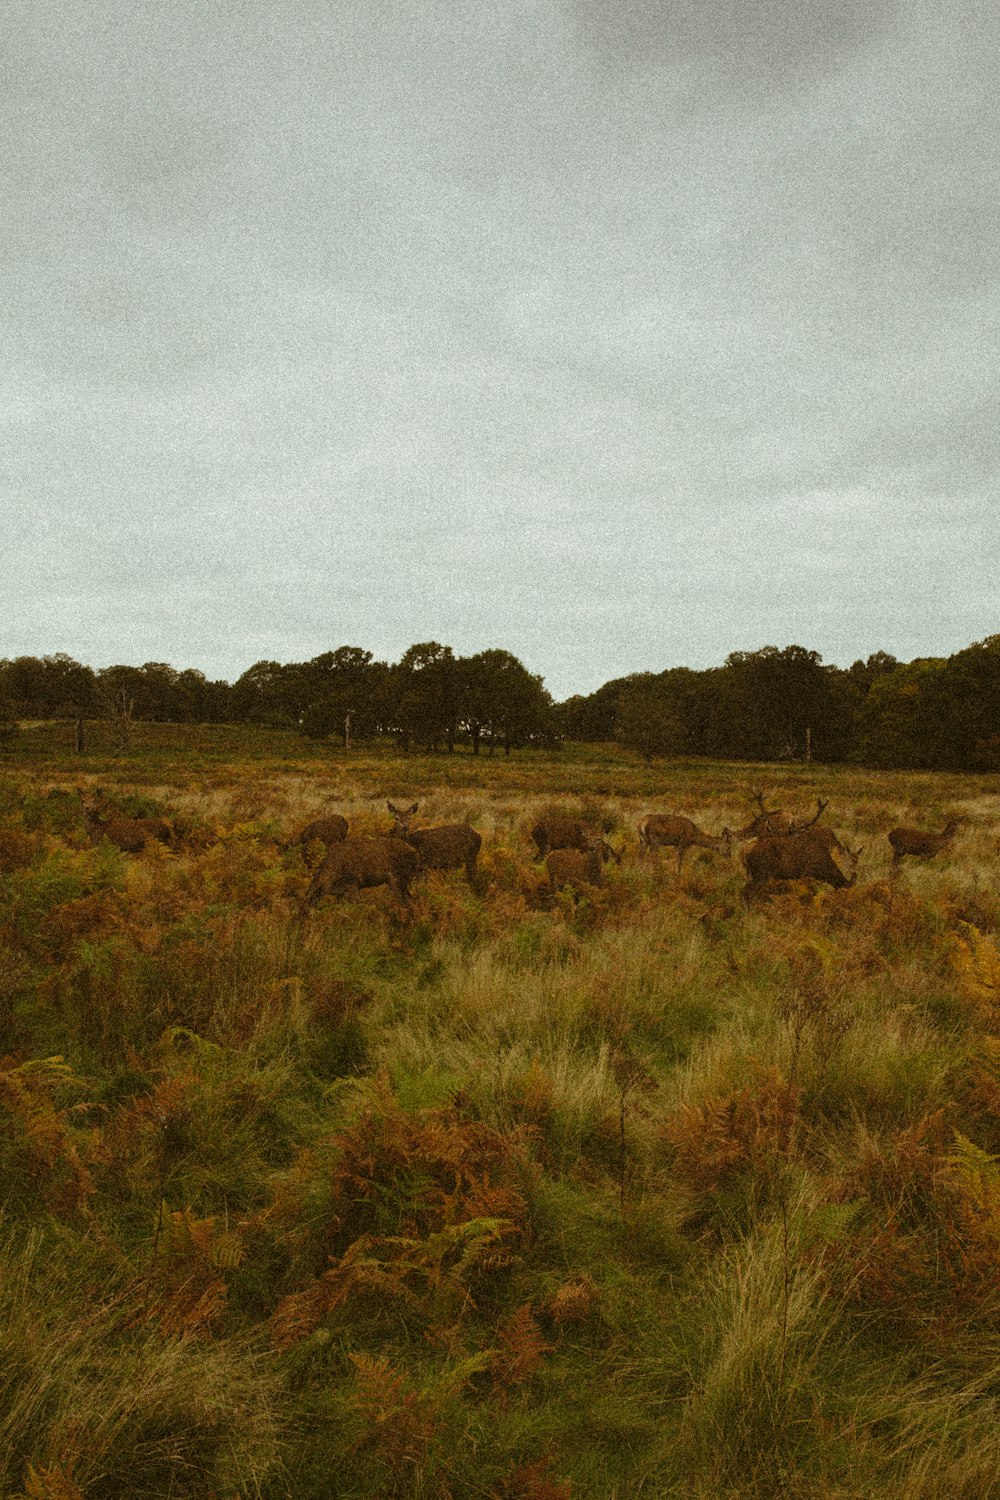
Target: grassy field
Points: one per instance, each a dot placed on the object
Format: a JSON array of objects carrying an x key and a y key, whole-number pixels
[{"x": 502, "y": 1197}]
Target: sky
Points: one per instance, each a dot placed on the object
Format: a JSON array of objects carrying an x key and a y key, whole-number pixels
[{"x": 620, "y": 334}]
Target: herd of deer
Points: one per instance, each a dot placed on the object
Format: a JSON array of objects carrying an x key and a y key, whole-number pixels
[{"x": 781, "y": 848}]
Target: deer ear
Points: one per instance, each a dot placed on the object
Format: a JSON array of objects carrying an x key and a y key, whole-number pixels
[
  {"x": 393, "y": 810},
  {"x": 412, "y": 810}
]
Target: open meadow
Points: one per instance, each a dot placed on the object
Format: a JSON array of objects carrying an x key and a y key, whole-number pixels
[{"x": 506, "y": 1195}]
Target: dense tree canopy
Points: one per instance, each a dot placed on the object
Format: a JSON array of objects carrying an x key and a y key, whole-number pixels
[{"x": 770, "y": 704}]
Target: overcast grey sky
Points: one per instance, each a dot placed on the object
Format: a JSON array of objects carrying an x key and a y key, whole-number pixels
[{"x": 618, "y": 333}]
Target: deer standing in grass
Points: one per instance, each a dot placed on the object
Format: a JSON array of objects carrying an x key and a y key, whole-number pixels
[
  {"x": 811, "y": 853},
  {"x": 659, "y": 830},
  {"x": 449, "y": 846},
  {"x": 359, "y": 862},
  {"x": 562, "y": 832},
  {"x": 905, "y": 840},
  {"x": 579, "y": 868}
]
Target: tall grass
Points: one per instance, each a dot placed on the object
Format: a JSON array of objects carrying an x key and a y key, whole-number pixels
[{"x": 503, "y": 1195}]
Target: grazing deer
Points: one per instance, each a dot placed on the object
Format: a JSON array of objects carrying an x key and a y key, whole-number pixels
[
  {"x": 449, "y": 846},
  {"x": 579, "y": 868},
  {"x": 914, "y": 841},
  {"x": 776, "y": 821},
  {"x": 811, "y": 853},
  {"x": 326, "y": 831},
  {"x": 662, "y": 829},
  {"x": 359, "y": 862},
  {"x": 561, "y": 832},
  {"x": 131, "y": 835}
]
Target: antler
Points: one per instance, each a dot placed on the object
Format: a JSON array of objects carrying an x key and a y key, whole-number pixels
[{"x": 820, "y": 809}]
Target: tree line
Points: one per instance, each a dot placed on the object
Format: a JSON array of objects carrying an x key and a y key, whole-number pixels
[
  {"x": 430, "y": 699},
  {"x": 771, "y": 704},
  {"x": 936, "y": 713}
]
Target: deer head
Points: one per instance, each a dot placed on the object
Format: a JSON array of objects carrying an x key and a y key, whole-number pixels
[{"x": 402, "y": 816}]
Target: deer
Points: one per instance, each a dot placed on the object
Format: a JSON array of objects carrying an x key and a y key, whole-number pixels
[
  {"x": 579, "y": 868},
  {"x": 905, "y": 840},
  {"x": 811, "y": 853},
  {"x": 359, "y": 862},
  {"x": 663, "y": 829},
  {"x": 776, "y": 821},
  {"x": 103, "y": 821},
  {"x": 449, "y": 846},
  {"x": 328, "y": 830},
  {"x": 561, "y": 832}
]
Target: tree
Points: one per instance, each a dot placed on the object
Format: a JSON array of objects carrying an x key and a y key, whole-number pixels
[
  {"x": 264, "y": 695},
  {"x": 960, "y": 710},
  {"x": 50, "y": 687},
  {"x": 8, "y": 713},
  {"x": 761, "y": 703},
  {"x": 864, "y": 673},
  {"x": 649, "y": 724},
  {"x": 342, "y": 687},
  {"x": 592, "y": 718},
  {"x": 502, "y": 702},
  {"x": 893, "y": 720},
  {"x": 426, "y": 693},
  {"x": 117, "y": 688}
]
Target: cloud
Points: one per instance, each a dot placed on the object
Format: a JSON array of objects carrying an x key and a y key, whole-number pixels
[
  {"x": 619, "y": 337},
  {"x": 764, "y": 45}
]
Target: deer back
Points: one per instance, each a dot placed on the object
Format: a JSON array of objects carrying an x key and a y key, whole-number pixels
[
  {"x": 812, "y": 854},
  {"x": 364, "y": 861},
  {"x": 908, "y": 840},
  {"x": 573, "y": 867},
  {"x": 446, "y": 846},
  {"x": 327, "y": 830},
  {"x": 559, "y": 832}
]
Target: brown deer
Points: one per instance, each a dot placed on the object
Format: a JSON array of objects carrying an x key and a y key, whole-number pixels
[
  {"x": 579, "y": 868},
  {"x": 776, "y": 821},
  {"x": 561, "y": 832},
  {"x": 914, "y": 841},
  {"x": 811, "y": 853},
  {"x": 359, "y": 862},
  {"x": 326, "y": 831},
  {"x": 659, "y": 830},
  {"x": 103, "y": 821},
  {"x": 449, "y": 846}
]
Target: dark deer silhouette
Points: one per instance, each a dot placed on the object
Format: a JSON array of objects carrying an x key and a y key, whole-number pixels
[
  {"x": 914, "y": 841},
  {"x": 659, "y": 830},
  {"x": 811, "y": 853},
  {"x": 131, "y": 835},
  {"x": 579, "y": 868},
  {"x": 449, "y": 846},
  {"x": 359, "y": 862},
  {"x": 327, "y": 831},
  {"x": 561, "y": 832}
]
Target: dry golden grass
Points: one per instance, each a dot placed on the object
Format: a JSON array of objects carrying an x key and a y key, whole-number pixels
[{"x": 740, "y": 1227}]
